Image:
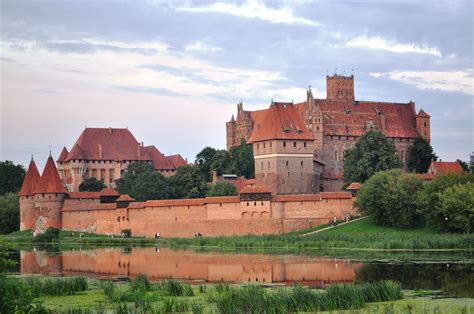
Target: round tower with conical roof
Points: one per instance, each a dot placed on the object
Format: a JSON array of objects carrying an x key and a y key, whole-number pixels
[
  {"x": 49, "y": 198},
  {"x": 26, "y": 196}
]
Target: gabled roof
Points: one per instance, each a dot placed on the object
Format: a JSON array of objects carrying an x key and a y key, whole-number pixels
[
  {"x": 351, "y": 118},
  {"x": 50, "y": 182},
  {"x": 124, "y": 198},
  {"x": 63, "y": 155},
  {"x": 445, "y": 167},
  {"x": 162, "y": 162},
  {"x": 109, "y": 192},
  {"x": 422, "y": 114},
  {"x": 280, "y": 121},
  {"x": 31, "y": 180},
  {"x": 107, "y": 144},
  {"x": 354, "y": 186}
]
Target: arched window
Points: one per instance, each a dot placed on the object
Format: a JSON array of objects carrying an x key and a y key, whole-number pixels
[{"x": 335, "y": 155}]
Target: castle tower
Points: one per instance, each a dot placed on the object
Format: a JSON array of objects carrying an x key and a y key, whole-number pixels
[
  {"x": 230, "y": 132},
  {"x": 49, "y": 198},
  {"x": 283, "y": 151},
  {"x": 423, "y": 125},
  {"x": 26, "y": 195},
  {"x": 340, "y": 87}
]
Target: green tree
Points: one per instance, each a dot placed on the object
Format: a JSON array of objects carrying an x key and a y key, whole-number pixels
[
  {"x": 242, "y": 160},
  {"x": 420, "y": 155},
  {"x": 221, "y": 162},
  {"x": 464, "y": 165},
  {"x": 457, "y": 205},
  {"x": 222, "y": 189},
  {"x": 11, "y": 177},
  {"x": 391, "y": 198},
  {"x": 471, "y": 163},
  {"x": 188, "y": 182},
  {"x": 143, "y": 183},
  {"x": 430, "y": 200},
  {"x": 91, "y": 185},
  {"x": 9, "y": 213},
  {"x": 204, "y": 161},
  {"x": 373, "y": 152}
]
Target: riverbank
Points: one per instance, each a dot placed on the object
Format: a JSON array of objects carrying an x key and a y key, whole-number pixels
[
  {"x": 92, "y": 295},
  {"x": 358, "y": 235}
]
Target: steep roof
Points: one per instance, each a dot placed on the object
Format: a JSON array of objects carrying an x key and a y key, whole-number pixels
[
  {"x": 280, "y": 121},
  {"x": 351, "y": 118},
  {"x": 354, "y": 186},
  {"x": 124, "y": 198},
  {"x": 50, "y": 182},
  {"x": 31, "y": 180},
  {"x": 63, "y": 155},
  {"x": 423, "y": 114},
  {"x": 107, "y": 144},
  {"x": 445, "y": 167},
  {"x": 162, "y": 162}
]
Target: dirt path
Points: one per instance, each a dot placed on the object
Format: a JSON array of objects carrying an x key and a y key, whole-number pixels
[{"x": 331, "y": 227}]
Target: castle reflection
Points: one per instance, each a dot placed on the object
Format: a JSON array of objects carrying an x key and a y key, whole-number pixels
[{"x": 159, "y": 264}]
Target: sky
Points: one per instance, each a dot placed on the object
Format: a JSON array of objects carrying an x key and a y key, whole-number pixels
[{"x": 173, "y": 71}]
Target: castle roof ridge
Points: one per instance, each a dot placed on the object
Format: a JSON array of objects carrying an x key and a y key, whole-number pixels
[
  {"x": 50, "y": 182},
  {"x": 31, "y": 180}
]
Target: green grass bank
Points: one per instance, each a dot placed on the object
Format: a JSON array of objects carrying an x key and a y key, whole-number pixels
[{"x": 358, "y": 235}]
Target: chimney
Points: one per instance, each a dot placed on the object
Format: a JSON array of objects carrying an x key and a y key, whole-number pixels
[
  {"x": 100, "y": 151},
  {"x": 214, "y": 176},
  {"x": 110, "y": 130}
]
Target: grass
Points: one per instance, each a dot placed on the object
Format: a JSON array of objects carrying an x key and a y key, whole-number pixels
[
  {"x": 359, "y": 235},
  {"x": 143, "y": 296}
]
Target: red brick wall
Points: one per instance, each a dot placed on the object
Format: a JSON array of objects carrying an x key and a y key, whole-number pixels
[{"x": 210, "y": 219}]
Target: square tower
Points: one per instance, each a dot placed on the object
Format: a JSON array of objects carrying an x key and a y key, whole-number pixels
[{"x": 340, "y": 87}]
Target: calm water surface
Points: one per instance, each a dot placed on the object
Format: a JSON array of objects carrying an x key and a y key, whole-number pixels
[{"x": 455, "y": 278}]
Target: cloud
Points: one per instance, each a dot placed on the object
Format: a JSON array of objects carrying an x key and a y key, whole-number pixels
[
  {"x": 202, "y": 47},
  {"x": 452, "y": 81},
  {"x": 384, "y": 44},
  {"x": 253, "y": 9}
]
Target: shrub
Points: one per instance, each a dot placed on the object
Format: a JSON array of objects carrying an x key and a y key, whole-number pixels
[
  {"x": 391, "y": 198},
  {"x": 50, "y": 235},
  {"x": 141, "y": 283},
  {"x": 430, "y": 201},
  {"x": 457, "y": 204}
]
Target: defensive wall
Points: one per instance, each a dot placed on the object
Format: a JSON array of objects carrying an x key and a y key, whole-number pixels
[{"x": 248, "y": 213}]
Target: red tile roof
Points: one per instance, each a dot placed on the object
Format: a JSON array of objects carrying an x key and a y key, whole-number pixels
[
  {"x": 81, "y": 195},
  {"x": 107, "y": 144},
  {"x": 334, "y": 195},
  {"x": 352, "y": 118},
  {"x": 124, "y": 198},
  {"x": 422, "y": 114},
  {"x": 109, "y": 192},
  {"x": 445, "y": 167},
  {"x": 254, "y": 189},
  {"x": 354, "y": 186},
  {"x": 296, "y": 198},
  {"x": 31, "y": 180},
  {"x": 63, "y": 155},
  {"x": 280, "y": 121},
  {"x": 239, "y": 182},
  {"x": 50, "y": 182}
]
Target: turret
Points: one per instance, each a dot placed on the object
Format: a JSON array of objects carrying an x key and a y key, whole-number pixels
[
  {"x": 26, "y": 196},
  {"x": 49, "y": 198},
  {"x": 423, "y": 125},
  {"x": 340, "y": 87}
]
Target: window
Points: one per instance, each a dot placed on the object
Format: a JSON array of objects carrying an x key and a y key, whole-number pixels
[
  {"x": 301, "y": 163},
  {"x": 284, "y": 144},
  {"x": 268, "y": 165},
  {"x": 317, "y": 128},
  {"x": 270, "y": 144},
  {"x": 262, "y": 165},
  {"x": 287, "y": 163},
  {"x": 304, "y": 144},
  {"x": 263, "y": 145},
  {"x": 294, "y": 144},
  {"x": 425, "y": 124},
  {"x": 258, "y": 146},
  {"x": 335, "y": 155}
]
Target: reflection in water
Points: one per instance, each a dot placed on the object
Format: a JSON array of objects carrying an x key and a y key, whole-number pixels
[
  {"x": 456, "y": 280},
  {"x": 159, "y": 264}
]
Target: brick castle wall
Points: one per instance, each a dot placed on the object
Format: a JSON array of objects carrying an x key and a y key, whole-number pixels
[{"x": 210, "y": 216}]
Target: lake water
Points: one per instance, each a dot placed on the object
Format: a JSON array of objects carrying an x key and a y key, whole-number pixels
[{"x": 454, "y": 277}]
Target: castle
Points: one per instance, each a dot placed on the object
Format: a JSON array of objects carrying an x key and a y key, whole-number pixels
[
  {"x": 298, "y": 151},
  {"x": 105, "y": 153},
  {"x": 299, "y": 148},
  {"x": 45, "y": 203}
]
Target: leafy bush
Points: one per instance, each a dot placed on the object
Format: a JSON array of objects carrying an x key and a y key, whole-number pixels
[
  {"x": 222, "y": 189},
  {"x": 457, "y": 204},
  {"x": 141, "y": 283},
  {"x": 391, "y": 198},
  {"x": 49, "y": 236},
  {"x": 433, "y": 206}
]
